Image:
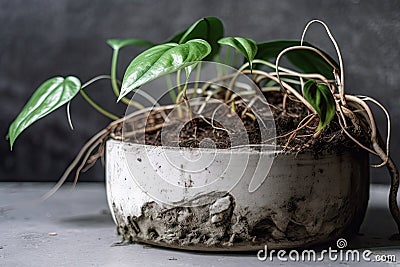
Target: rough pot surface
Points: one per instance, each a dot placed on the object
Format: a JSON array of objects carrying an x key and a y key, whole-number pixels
[{"x": 305, "y": 199}]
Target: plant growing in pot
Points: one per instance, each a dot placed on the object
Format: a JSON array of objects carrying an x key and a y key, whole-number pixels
[{"x": 240, "y": 157}]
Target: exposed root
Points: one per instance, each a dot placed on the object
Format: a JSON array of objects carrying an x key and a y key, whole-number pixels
[
  {"x": 372, "y": 126},
  {"x": 339, "y": 80},
  {"x": 89, "y": 146},
  {"x": 85, "y": 159},
  {"x": 286, "y": 87},
  {"x": 394, "y": 189},
  {"x": 344, "y": 110},
  {"x": 310, "y": 118},
  {"x": 211, "y": 123},
  {"x": 284, "y": 103}
]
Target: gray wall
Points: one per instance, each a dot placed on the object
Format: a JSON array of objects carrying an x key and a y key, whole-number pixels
[{"x": 40, "y": 39}]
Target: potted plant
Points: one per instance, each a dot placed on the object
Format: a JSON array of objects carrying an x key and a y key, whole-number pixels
[{"x": 241, "y": 158}]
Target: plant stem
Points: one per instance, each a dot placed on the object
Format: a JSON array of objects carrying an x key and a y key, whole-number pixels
[
  {"x": 182, "y": 95},
  {"x": 228, "y": 55},
  {"x": 114, "y": 63},
  {"x": 91, "y": 102},
  {"x": 186, "y": 99},
  {"x": 97, "y": 107},
  {"x": 171, "y": 90},
  {"x": 236, "y": 60},
  {"x": 178, "y": 80},
  {"x": 95, "y": 79},
  {"x": 218, "y": 66},
  {"x": 196, "y": 85}
]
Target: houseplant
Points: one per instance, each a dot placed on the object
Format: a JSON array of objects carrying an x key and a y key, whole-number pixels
[{"x": 317, "y": 126}]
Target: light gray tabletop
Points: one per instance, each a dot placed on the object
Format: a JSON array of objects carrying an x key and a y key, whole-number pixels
[{"x": 74, "y": 228}]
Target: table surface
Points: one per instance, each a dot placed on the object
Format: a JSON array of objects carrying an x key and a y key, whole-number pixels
[{"x": 74, "y": 228}]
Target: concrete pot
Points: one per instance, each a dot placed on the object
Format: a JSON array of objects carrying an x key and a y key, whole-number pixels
[{"x": 303, "y": 200}]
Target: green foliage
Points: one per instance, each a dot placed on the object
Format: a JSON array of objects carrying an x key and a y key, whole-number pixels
[
  {"x": 161, "y": 60},
  {"x": 321, "y": 99},
  {"x": 305, "y": 60},
  {"x": 200, "y": 41},
  {"x": 246, "y": 46},
  {"x": 52, "y": 94},
  {"x": 209, "y": 29}
]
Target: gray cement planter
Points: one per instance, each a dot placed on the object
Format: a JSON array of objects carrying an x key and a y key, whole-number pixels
[{"x": 303, "y": 200}]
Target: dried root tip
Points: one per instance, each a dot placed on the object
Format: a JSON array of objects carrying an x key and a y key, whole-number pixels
[
  {"x": 284, "y": 101},
  {"x": 376, "y": 142},
  {"x": 394, "y": 188},
  {"x": 85, "y": 152}
]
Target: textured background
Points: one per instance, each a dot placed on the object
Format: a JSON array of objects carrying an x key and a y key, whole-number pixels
[{"x": 40, "y": 39}]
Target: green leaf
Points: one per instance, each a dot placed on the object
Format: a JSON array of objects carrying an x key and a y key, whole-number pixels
[
  {"x": 52, "y": 94},
  {"x": 117, "y": 44},
  {"x": 321, "y": 99},
  {"x": 161, "y": 60},
  {"x": 209, "y": 29},
  {"x": 305, "y": 60},
  {"x": 246, "y": 46}
]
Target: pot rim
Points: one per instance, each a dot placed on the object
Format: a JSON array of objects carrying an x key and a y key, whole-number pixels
[{"x": 273, "y": 150}]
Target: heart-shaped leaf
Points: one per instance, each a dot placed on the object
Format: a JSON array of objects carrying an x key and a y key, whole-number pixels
[
  {"x": 120, "y": 43},
  {"x": 305, "y": 60},
  {"x": 52, "y": 94},
  {"x": 161, "y": 60},
  {"x": 321, "y": 99},
  {"x": 246, "y": 46},
  {"x": 209, "y": 29}
]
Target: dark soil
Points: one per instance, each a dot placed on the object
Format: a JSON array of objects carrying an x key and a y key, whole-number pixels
[{"x": 197, "y": 130}]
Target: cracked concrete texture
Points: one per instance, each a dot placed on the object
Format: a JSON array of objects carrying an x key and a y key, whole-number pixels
[
  {"x": 41, "y": 39},
  {"x": 219, "y": 225}
]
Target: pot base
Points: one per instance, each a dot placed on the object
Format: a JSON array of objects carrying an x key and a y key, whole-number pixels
[{"x": 194, "y": 229}]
